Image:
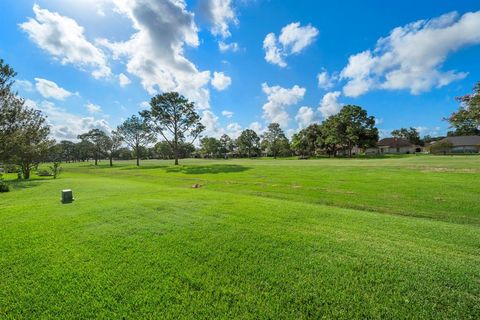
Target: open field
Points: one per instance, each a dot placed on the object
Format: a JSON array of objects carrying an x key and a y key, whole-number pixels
[{"x": 334, "y": 238}]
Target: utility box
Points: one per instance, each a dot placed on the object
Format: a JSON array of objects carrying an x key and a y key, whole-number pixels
[{"x": 67, "y": 196}]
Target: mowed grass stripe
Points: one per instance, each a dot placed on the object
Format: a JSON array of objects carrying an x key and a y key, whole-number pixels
[{"x": 148, "y": 248}]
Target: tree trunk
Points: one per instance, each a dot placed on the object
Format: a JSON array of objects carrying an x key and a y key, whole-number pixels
[
  {"x": 137, "y": 152},
  {"x": 176, "y": 150},
  {"x": 96, "y": 159},
  {"x": 111, "y": 161},
  {"x": 26, "y": 171}
]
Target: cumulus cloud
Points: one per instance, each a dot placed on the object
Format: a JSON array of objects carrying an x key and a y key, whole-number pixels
[
  {"x": 155, "y": 52},
  {"x": 210, "y": 121},
  {"x": 329, "y": 104},
  {"x": 325, "y": 81},
  {"x": 278, "y": 100},
  {"x": 93, "y": 108},
  {"x": 305, "y": 116},
  {"x": 257, "y": 127},
  {"x": 293, "y": 39},
  {"x": 411, "y": 57},
  {"x": 220, "y": 14},
  {"x": 123, "y": 80},
  {"x": 23, "y": 85},
  {"x": 49, "y": 89},
  {"x": 65, "y": 125},
  {"x": 227, "y": 114},
  {"x": 220, "y": 81},
  {"x": 64, "y": 39},
  {"x": 224, "y": 47},
  {"x": 233, "y": 130}
]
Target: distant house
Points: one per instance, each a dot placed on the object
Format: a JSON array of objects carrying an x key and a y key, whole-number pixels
[
  {"x": 460, "y": 144},
  {"x": 397, "y": 146}
]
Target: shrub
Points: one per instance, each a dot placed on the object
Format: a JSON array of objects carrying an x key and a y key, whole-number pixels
[
  {"x": 55, "y": 169},
  {"x": 3, "y": 185}
]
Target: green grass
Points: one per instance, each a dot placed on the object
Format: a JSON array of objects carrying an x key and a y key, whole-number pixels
[{"x": 333, "y": 238}]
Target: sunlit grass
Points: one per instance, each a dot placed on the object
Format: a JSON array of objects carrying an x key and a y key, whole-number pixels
[{"x": 335, "y": 238}]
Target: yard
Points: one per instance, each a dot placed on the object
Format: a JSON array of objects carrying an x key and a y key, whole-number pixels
[{"x": 394, "y": 237}]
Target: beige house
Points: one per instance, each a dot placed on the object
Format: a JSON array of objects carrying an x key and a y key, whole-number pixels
[{"x": 397, "y": 146}]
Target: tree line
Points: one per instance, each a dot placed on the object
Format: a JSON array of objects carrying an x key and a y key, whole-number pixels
[{"x": 25, "y": 134}]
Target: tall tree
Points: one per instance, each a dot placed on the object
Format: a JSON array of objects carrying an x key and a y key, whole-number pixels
[
  {"x": 248, "y": 143},
  {"x": 274, "y": 139},
  {"x": 210, "y": 146},
  {"x": 175, "y": 119},
  {"x": 136, "y": 133},
  {"x": 24, "y": 132},
  {"x": 466, "y": 121},
  {"x": 356, "y": 128},
  {"x": 112, "y": 144},
  {"x": 98, "y": 140},
  {"x": 226, "y": 145},
  {"x": 410, "y": 134}
]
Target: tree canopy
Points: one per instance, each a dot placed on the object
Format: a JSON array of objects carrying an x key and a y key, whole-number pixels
[
  {"x": 466, "y": 121},
  {"x": 174, "y": 118},
  {"x": 136, "y": 133}
]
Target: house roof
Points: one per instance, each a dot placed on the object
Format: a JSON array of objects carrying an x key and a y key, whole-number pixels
[
  {"x": 394, "y": 143},
  {"x": 463, "y": 140}
]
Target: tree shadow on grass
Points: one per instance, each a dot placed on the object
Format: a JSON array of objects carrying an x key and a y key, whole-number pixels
[
  {"x": 25, "y": 184},
  {"x": 210, "y": 169},
  {"x": 146, "y": 167}
]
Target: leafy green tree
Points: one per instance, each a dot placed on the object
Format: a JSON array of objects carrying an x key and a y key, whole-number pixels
[
  {"x": 210, "y": 146},
  {"x": 356, "y": 128},
  {"x": 24, "y": 132},
  {"x": 410, "y": 134},
  {"x": 274, "y": 140},
  {"x": 466, "y": 120},
  {"x": 112, "y": 144},
  {"x": 332, "y": 135},
  {"x": 164, "y": 150},
  {"x": 175, "y": 119},
  {"x": 248, "y": 143},
  {"x": 136, "y": 133},
  {"x": 98, "y": 140},
  {"x": 308, "y": 140},
  {"x": 83, "y": 150},
  {"x": 226, "y": 145}
]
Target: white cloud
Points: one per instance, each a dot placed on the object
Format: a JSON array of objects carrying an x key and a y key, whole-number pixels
[
  {"x": 64, "y": 39},
  {"x": 93, "y": 108},
  {"x": 123, "y": 80},
  {"x": 411, "y": 57},
  {"x": 220, "y": 81},
  {"x": 273, "y": 54},
  {"x": 224, "y": 47},
  {"x": 49, "y": 89},
  {"x": 278, "y": 100},
  {"x": 65, "y": 125},
  {"x": 329, "y": 104},
  {"x": 220, "y": 15},
  {"x": 305, "y": 116},
  {"x": 210, "y": 121},
  {"x": 227, "y": 114},
  {"x": 145, "y": 104},
  {"x": 257, "y": 127},
  {"x": 234, "y": 130},
  {"x": 325, "y": 81},
  {"x": 293, "y": 39},
  {"x": 23, "y": 85},
  {"x": 155, "y": 52}
]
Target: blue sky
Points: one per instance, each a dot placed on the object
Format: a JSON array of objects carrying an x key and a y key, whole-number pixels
[{"x": 245, "y": 63}]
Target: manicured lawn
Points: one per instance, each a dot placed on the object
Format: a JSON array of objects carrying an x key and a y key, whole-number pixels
[{"x": 334, "y": 238}]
